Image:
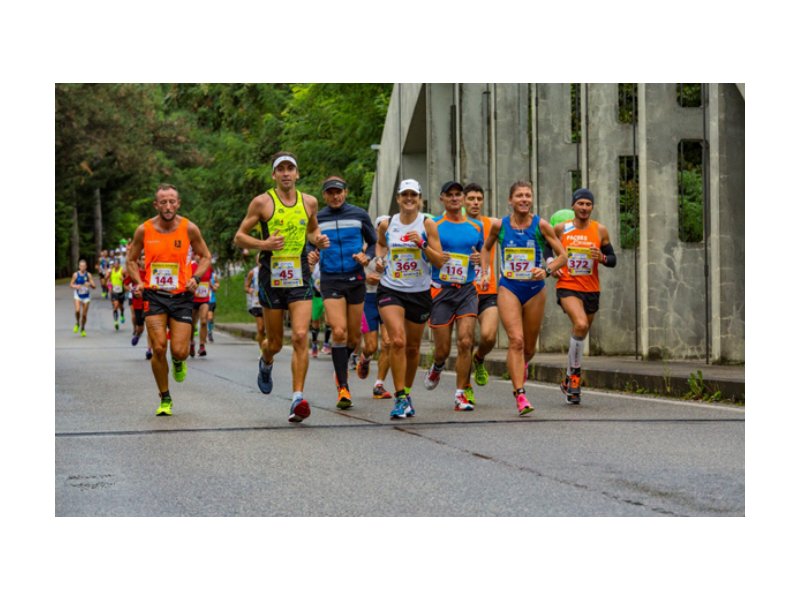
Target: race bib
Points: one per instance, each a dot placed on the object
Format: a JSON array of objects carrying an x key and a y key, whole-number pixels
[
  {"x": 579, "y": 261},
  {"x": 406, "y": 263},
  {"x": 202, "y": 290},
  {"x": 164, "y": 276},
  {"x": 83, "y": 290},
  {"x": 518, "y": 263},
  {"x": 456, "y": 269},
  {"x": 117, "y": 289},
  {"x": 286, "y": 272}
]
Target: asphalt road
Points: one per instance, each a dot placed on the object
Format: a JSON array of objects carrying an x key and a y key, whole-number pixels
[{"x": 229, "y": 450}]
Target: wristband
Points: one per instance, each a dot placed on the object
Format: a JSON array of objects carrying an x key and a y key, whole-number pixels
[
  {"x": 422, "y": 244},
  {"x": 196, "y": 278}
]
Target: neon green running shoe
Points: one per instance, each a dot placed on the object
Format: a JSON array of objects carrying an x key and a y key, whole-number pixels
[
  {"x": 76, "y": 328},
  {"x": 83, "y": 333},
  {"x": 179, "y": 370},
  {"x": 165, "y": 409},
  {"x": 470, "y": 394},
  {"x": 481, "y": 374}
]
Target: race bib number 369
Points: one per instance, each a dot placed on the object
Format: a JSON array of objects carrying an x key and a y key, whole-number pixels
[{"x": 406, "y": 263}]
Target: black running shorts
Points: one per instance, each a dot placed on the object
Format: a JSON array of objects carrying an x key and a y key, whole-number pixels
[{"x": 591, "y": 300}]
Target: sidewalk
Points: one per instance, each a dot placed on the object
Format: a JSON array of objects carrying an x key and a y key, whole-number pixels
[{"x": 619, "y": 373}]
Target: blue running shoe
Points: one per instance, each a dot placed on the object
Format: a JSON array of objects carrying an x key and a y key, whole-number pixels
[
  {"x": 401, "y": 409},
  {"x": 264, "y": 376},
  {"x": 411, "y": 412}
]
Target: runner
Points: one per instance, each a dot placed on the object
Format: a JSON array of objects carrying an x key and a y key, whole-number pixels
[
  {"x": 407, "y": 246},
  {"x": 521, "y": 294},
  {"x": 587, "y": 245},
  {"x": 317, "y": 307},
  {"x": 488, "y": 317},
  {"x": 286, "y": 218},
  {"x": 254, "y": 306},
  {"x": 168, "y": 286},
  {"x": 103, "y": 266},
  {"x": 201, "y": 298},
  {"x": 116, "y": 279},
  {"x": 81, "y": 282},
  {"x": 455, "y": 299},
  {"x": 212, "y": 305},
  {"x": 352, "y": 246},
  {"x": 371, "y": 328},
  {"x": 137, "y": 305}
]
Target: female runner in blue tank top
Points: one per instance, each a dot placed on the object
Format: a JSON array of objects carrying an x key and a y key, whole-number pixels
[{"x": 521, "y": 293}]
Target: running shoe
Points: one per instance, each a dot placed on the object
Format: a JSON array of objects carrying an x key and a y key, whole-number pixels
[
  {"x": 380, "y": 393},
  {"x": 179, "y": 370},
  {"x": 76, "y": 329},
  {"x": 362, "y": 368},
  {"x": 481, "y": 374},
  {"x": 314, "y": 351},
  {"x": 191, "y": 349},
  {"x": 116, "y": 325},
  {"x": 402, "y": 408},
  {"x": 344, "y": 398},
  {"x": 462, "y": 403},
  {"x": 202, "y": 351},
  {"x": 300, "y": 410},
  {"x": 83, "y": 333},
  {"x": 122, "y": 318},
  {"x": 149, "y": 354},
  {"x": 353, "y": 362},
  {"x": 470, "y": 394},
  {"x": 411, "y": 412},
  {"x": 326, "y": 348},
  {"x": 165, "y": 409},
  {"x": 134, "y": 340},
  {"x": 571, "y": 388},
  {"x": 523, "y": 406},
  {"x": 210, "y": 336},
  {"x": 265, "y": 377},
  {"x": 432, "y": 377}
]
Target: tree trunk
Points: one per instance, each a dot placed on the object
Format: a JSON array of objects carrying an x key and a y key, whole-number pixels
[
  {"x": 75, "y": 240},
  {"x": 98, "y": 223}
]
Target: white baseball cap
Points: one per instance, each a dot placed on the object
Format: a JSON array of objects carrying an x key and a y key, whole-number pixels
[
  {"x": 283, "y": 158},
  {"x": 409, "y": 184}
]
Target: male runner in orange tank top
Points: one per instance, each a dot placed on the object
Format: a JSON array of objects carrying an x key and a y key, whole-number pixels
[
  {"x": 488, "y": 317},
  {"x": 169, "y": 285},
  {"x": 578, "y": 283}
]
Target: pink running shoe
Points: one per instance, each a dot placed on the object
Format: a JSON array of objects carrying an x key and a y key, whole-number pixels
[{"x": 523, "y": 406}]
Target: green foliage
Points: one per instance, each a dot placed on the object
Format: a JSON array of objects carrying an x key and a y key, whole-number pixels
[
  {"x": 690, "y": 206},
  {"x": 700, "y": 390},
  {"x": 212, "y": 141},
  {"x": 330, "y": 127},
  {"x": 231, "y": 300}
]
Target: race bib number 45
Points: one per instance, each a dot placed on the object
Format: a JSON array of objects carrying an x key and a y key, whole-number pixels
[
  {"x": 286, "y": 272},
  {"x": 518, "y": 263},
  {"x": 579, "y": 261},
  {"x": 164, "y": 276}
]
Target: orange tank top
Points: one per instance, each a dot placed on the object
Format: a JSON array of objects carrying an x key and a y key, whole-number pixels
[
  {"x": 580, "y": 272},
  {"x": 492, "y": 289},
  {"x": 166, "y": 258}
]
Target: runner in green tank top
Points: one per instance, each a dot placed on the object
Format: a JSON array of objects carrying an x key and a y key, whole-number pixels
[{"x": 285, "y": 219}]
